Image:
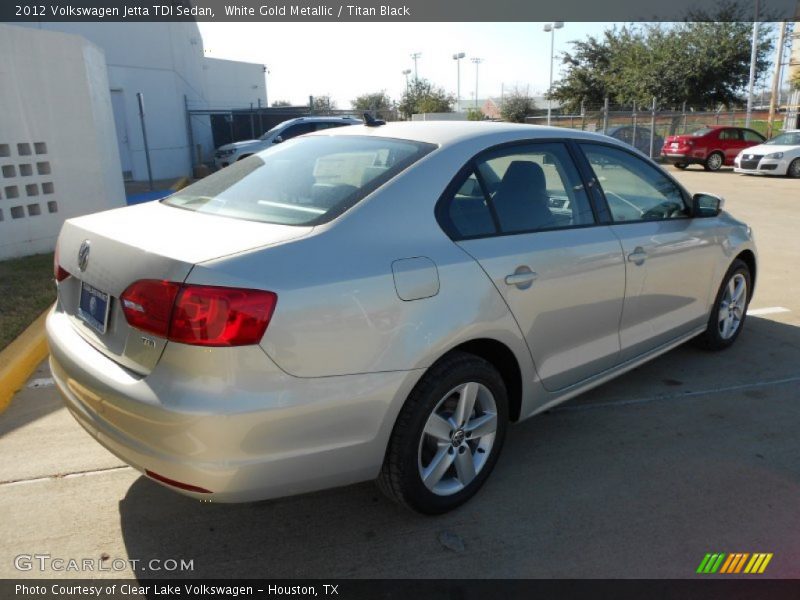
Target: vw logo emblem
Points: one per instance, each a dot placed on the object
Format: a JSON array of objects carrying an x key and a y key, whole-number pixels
[{"x": 83, "y": 255}]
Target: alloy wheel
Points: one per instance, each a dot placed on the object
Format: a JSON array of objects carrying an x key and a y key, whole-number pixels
[
  {"x": 732, "y": 307},
  {"x": 457, "y": 439},
  {"x": 715, "y": 161}
]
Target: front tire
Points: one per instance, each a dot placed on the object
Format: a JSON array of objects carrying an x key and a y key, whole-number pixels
[
  {"x": 730, "y": 308},
  {"x": 447, "y": 437},
  {"x": 714, "y": 161},
  {"x": 794, "y": 168}
]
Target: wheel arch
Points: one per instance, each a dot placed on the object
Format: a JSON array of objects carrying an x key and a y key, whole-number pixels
[
  {"x": 749, "y": 258},
  {"x": 502, "y": 358}
]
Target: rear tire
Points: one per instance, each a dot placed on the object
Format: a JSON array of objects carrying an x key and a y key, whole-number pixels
[
  {"x": 680, "y": 166},
  {"x": 729, "y": 310},
  {"x": 714, "y": 161},
  {"x": 447, "y": 437}
]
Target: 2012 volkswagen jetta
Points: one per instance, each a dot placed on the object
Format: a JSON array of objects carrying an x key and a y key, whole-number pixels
[{"x": 381, "y": 302}]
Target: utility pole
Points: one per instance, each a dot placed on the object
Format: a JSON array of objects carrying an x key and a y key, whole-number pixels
[
  {"x": 477, "y": 62},
  {"x": 415, "y": 56},
  {"x": 776, "y": 79},
  {"x": 753, "y": 56}
]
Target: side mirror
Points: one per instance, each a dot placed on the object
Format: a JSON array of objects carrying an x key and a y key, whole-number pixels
[
  {"x": 706, "y": 205},
  {"x": 277, "y": 140}
]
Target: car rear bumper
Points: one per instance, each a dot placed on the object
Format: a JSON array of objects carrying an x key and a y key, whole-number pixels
[
  {"x": 675, "y": 158},
  {"x": 234, "y": 425}
]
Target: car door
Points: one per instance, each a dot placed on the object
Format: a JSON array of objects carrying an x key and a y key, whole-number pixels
[
  {"x": 732, "y": 143},
  {"x": 522, "y": 212},
  {"x": 669, "y": 257}
]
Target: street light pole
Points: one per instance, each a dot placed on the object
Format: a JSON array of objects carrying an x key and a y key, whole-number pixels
[
  {"x": 457, "y": 57},
  {"x": 477, "y": 62},
  {"x": 551, "y": 29},
  {"x": 414, "y": 57}
]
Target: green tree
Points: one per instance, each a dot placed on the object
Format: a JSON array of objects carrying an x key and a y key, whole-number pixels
[
  {"x": 281, "y": 103},
  {"x": 377, "y": 101},
  {"x": 701, "y": 63},
  {"x": 474, "y": 114},
  {"x": 516, "y": 106},
  {"x": 323, "y": 105},
  {"x": 422, "y": 96}
]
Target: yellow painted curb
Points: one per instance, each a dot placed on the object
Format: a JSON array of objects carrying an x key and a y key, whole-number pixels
[
  {"x": 179, "y": 184},
  {"x": 20, "y": 358}
]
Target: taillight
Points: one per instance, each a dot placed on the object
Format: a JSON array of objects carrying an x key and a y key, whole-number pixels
[
  {"x": 221, "y": 316},
  {"x": 59, "y": 272},
  {"x": 147, "y": 305},
  {"x": 200, "y": 315}
]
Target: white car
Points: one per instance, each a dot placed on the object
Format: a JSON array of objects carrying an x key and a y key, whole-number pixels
[
  {"x": 230, "y": 153},
  {"x": 778, "y": 156}
]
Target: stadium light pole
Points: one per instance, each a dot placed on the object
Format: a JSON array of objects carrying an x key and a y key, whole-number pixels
[
  {"x": 551, "y": 29},
  {"x": 477, "y": 62},
  {"x": 457, "y": 57},
  {"x": 406, "y": 72},
  {"x": 415, "y": 56}
]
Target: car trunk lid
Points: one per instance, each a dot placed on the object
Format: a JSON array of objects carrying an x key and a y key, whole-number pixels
[{"x": 149, "y": 241}]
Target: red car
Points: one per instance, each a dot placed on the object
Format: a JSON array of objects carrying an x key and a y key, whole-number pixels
[{"x": 711, "y": 147}]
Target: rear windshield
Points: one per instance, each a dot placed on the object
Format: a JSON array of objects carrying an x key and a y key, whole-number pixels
[
  {"x": 701, "y": 132},
  {"x": 304, "y": 181}
]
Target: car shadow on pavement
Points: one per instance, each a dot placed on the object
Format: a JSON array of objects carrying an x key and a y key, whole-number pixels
[{"x": 601, "y": 487}]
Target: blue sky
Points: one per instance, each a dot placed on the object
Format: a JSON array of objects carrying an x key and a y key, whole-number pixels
[{"x": 348, "y": 59}]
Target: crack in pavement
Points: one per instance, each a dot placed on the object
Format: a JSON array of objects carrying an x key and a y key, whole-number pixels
[
  {"x": 679, "y": 396},
  {"x": 11, "y": 482}
]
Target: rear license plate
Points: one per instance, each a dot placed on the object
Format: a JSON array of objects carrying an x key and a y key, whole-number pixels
[
  {"x": 674, "y": 144},
  {"x": 93, "y": 307}
]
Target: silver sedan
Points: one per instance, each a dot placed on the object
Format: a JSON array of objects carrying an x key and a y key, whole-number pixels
[{"x": 380, "y": 302}]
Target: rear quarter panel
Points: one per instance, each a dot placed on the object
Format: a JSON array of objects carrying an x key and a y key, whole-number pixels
[{"x": 338, "y": 311}]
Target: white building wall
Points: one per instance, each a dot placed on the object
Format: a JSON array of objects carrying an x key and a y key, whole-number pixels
[
  {"x": 58, "y": 151},
  {"x": 164, "y": 61}
]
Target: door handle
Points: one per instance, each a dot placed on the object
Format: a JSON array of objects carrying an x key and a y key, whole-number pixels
[
  {"x": 522, "y": 277},
  {"x": 638, "y": 256}
]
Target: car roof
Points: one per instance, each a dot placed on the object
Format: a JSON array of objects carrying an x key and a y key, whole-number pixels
[
  {"x": 445, "y": 133},
  {"x": 324, "y": 118}
]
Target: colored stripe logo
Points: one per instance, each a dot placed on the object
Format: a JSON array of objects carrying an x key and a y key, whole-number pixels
[{"x": 735, "y": 563}]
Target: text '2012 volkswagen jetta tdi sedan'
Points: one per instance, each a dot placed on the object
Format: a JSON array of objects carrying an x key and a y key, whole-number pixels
[{"x": 380, "y": 302}]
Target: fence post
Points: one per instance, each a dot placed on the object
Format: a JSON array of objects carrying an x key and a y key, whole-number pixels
[
  {"x": 684, "y": 116},
  {"x": 583, "y": 115},
  {"x": 140, "y": 99},
  {"x": 260, "y": 119},
  {"x": 252, "y": 123},
  {"x": 189, "y": 134},
  {"x": 605, "y": 115},
  {"x": 634, "y": 123},
  {"x": 652, "y": 126}
]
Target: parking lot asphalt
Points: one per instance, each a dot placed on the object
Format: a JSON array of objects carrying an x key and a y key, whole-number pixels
[{"x": 693, "y": 453}]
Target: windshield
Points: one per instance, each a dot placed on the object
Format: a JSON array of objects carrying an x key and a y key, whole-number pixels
[
  {"x": 791, "y": 138},
  {"x": 304, "y": 181},
  {"x": 266, "y": 134},
  {"x": 701, "y": 132}
]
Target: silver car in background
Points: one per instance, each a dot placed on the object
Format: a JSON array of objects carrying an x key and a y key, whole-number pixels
[{"x": 381, "y": 302}]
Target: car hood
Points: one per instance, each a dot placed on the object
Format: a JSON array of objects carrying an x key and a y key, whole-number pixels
[
  {"x": 242, "y": 144},
  {"x": 771, "y": 148}
]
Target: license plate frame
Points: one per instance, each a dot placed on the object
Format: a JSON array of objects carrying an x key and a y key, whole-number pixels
[{"x": 94, "y": 307}]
